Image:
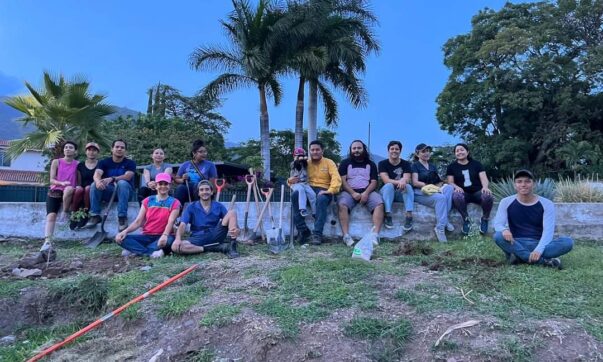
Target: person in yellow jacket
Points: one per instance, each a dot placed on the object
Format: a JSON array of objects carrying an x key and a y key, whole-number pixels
[{"x": 324, "y": 179}]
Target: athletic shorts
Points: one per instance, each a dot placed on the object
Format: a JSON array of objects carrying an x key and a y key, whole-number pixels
[{"x": 53, "y": 203}]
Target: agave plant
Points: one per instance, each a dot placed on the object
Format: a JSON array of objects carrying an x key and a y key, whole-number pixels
[
  {"x": 506, "y": 187},
  {"x": 578, "y": 191}
]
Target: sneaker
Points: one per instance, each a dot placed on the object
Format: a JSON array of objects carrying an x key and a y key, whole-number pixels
[
  {"x": 303, "y": 212},
  {"x": 157, "y": 254},
  {"x": 302, "y": 237},
  {"x": 440, "y": 235},
  {"x": 315, "y": 239},
  {"x": 449, "y": 227},
  {"x": 483, "y": 226},
  {"x": 466, "y": 227},
  {"x": 388, "y": 222},
  {"x": 126, "y": 253},
  {"x": 82, "y": 223},
  {"x": 553, "y": 263},
  {"x": 347, "y": 239},
  {"x": 46, "y": 246},
  {"x": 93, "y": 221},
  {"x": 407, "y": 224},
  {"x": 123, "y": 223}
]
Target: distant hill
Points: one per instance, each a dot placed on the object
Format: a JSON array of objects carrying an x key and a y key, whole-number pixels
[{"x": 11, "y": 129}]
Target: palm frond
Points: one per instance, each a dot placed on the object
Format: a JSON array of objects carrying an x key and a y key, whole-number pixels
[
  {"x": 329, "y": 103},
  {"x": 225, "y": 83},
  {"x": 274, "y": 90},
  {"x": 214, "y": 58}
]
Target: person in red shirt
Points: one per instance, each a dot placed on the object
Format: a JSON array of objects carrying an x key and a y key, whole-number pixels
[{"x": 156, "y": 216}]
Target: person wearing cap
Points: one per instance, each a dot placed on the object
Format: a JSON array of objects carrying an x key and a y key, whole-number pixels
[
  {"x": 525, "y": 224},
  {"x": 359, "y": 182},
  {"x": 213, "y": 228},
  {"x": 470, "y": 182},
  {"x": 156, "y": 216},
  {"x": 85, "y": 177},
  {"x": 325, "y": 182},
  {"x": 115, "y": 171},
  {"x": 302, "y": 187},
  {"x": 396, "y": 176},
  {"x": 148, "y": 184},
  {"x": 430, "y": 190}
]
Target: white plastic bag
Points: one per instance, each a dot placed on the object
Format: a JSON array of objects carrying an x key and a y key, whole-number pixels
[{"x": 364, "y": 248}]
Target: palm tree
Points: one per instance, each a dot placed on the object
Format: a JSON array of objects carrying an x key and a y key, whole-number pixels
[
  {"x": 332, "y": 48},
  {"x": 577, "y": 155},
  {"x": 253, "y": 59},
  {"x": 61, "y": 110}
]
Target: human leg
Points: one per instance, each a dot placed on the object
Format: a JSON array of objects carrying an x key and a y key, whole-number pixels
[
  {"x": 302, "y": 201},
  {"x": 140, "y": 244},
  {"x": 346, "y": 203},
  {"x": 322, "y": 205},
  {"x": 375, "y": 206}
]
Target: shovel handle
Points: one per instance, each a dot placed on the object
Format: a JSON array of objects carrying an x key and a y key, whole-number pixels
[{"x": 266, "y": 204}]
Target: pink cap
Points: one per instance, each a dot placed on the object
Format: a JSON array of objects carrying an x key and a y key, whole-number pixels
[
  {"x": 165, "y": 177},
  {"x": 299, "y": 152}
]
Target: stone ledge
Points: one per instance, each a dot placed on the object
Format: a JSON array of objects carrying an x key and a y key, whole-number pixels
[{"x": 580, "y": 221}]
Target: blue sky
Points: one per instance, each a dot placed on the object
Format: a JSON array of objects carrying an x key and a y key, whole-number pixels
[{"x": 125, "y": 47}]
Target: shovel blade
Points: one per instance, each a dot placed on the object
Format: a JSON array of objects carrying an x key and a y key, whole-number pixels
[{"x": 96, "y": 239}]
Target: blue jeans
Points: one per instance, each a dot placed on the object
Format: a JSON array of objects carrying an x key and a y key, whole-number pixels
[
  {"x": 441, "y": 202},
  {"x": 522, "y": 247},
  {"x": 322, "y": 205},
  {"x": 391, "y": 194},
  {"x": 124, "y": 190},
  {"x": 143, "y": 244}
]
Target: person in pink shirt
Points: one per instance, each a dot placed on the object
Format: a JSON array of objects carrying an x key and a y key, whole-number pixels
[
  {"x": 156, "y": 216},
  {"x": 63, "y": 179}
]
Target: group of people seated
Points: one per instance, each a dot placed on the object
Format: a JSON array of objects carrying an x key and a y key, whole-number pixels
[{"x": 524, "y": 223}]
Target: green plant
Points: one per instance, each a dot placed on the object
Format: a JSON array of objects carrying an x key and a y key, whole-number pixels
[
  {"x": 506, "y": 187},
  {"x": 89, "y": 294},
  {"x": 220, "y": 315},
  {"x": 78, "y": 215},
  {"x": 578, "y": 191}
]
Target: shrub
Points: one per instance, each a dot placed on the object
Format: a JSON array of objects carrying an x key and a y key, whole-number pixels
[
  {"x": 506, "y": 187},
  {"x": 578, "y": 191}
]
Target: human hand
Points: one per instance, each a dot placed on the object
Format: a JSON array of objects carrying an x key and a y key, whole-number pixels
[
  {"x": 356, "y": 196},
  {"x": 508, "y": 236},
  {"x": 401, "y": 185},
  {"x": 234, "y": 232},
  {"x": 486, "y": 191},
  {"x": 100, "y": 185},
  {"x": 293, "y": 180},
  {"x": 534, "y": 256},
  {"x": 364, "y": 197},
  {"x": 120, "y": 237},
  {"x": 152, "y": 185},
  {"x": 459, "y": 189},
  {"x": 185, "y": 177},
  {"x": 162, "y": 241},
  {"x": 324, "y": 192}
]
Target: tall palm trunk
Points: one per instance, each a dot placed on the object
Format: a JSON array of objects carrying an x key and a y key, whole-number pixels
[
  {"x": 264, "y": 132},
  {"x": 299, "y": 114},
  {"x": 312, "y": 110}
]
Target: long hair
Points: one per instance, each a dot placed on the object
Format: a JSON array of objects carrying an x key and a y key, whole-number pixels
[
  {"x": 464, "y": 145},
  {"x": 365, "y": 152}
]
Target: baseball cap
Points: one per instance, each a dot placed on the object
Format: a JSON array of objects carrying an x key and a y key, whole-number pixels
[
  {"x": 205, "y": 182},
  {"x": 299, "y": 152},
  {"x": 165, "y": 177},
  {"x": 523, "y": 173},
  {"x": 421, "y": 147},
  {"x": 92, "y": 144}
]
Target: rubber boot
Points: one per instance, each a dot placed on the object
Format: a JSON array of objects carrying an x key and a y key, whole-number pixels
[
  {"x": 220, "y": 248},
  {"x": 232, "y": 248}
]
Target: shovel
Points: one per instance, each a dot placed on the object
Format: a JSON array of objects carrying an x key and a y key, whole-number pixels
[
  {"x": 259, "y": 223},
  {"x": 99, "y": 236},
  {"x": 279, "y": 245},
  {"x": 271, "y": 233},
  {"x": 249, "y": 179},
  {"x": 219, "y": 182}
]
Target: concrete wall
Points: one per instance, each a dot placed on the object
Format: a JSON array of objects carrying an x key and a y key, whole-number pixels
[{"x": 580, "y": 221}]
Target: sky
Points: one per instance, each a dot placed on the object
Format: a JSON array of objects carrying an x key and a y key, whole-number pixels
[{"x": 125, "y": 47}]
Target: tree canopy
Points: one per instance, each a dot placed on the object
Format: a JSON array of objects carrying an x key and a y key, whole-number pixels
[{"x": 526, "y": 81}]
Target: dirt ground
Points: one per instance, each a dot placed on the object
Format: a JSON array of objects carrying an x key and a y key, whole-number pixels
[{"x": 251, "y": 336}]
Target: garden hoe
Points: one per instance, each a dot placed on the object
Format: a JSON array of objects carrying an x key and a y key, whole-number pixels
[
  {"x": 99, "y": 236},
  {"x": 246, "y": 234}
]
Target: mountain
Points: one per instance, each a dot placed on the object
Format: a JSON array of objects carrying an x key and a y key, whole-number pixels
[{"x": 11, "y": 129}]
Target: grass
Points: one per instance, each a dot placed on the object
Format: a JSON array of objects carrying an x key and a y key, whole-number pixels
[
  {"x": 388, "y": 337},
  {"x": 220, "y": 316},
  {"x": 176, "y": 303}
]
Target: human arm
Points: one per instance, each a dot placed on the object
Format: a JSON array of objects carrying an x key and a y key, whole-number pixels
[
  {"x": 130, "y": 170},
  {"x": 100, "y": 182},
  {"x": 133, "y": 226},
  {"x": 146, "y": 179},
  {"x": 181, "y": 175},
  {"x": 485, "y": 183},
  {"x": 168, "y": 227},
  {"x": 372, "y": 186},
  {"x": 548, "y": 229},
  {"x": 450, "y": 181},
  {"x": 501, "y": 220},
  {"x": 54, "y": 167}
]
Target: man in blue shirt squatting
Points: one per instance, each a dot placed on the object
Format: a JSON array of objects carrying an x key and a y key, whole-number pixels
[
  {"x": 115, "y": 171},
  {"x": 213, "y": 228},
  {"x": 524, "y": 226}
]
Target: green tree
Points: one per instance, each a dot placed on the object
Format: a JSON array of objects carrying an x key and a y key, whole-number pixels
[
  {"x": 330, "y": 42},
  {"x": 525, "y": 81},
  {"x": 579, "y": 155},
  {"x": 281, "y": 150},
  {"x": 61, "y": 110},
  {"x": 174, "y": 135},
  {"x": 254, "y": 59}
]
